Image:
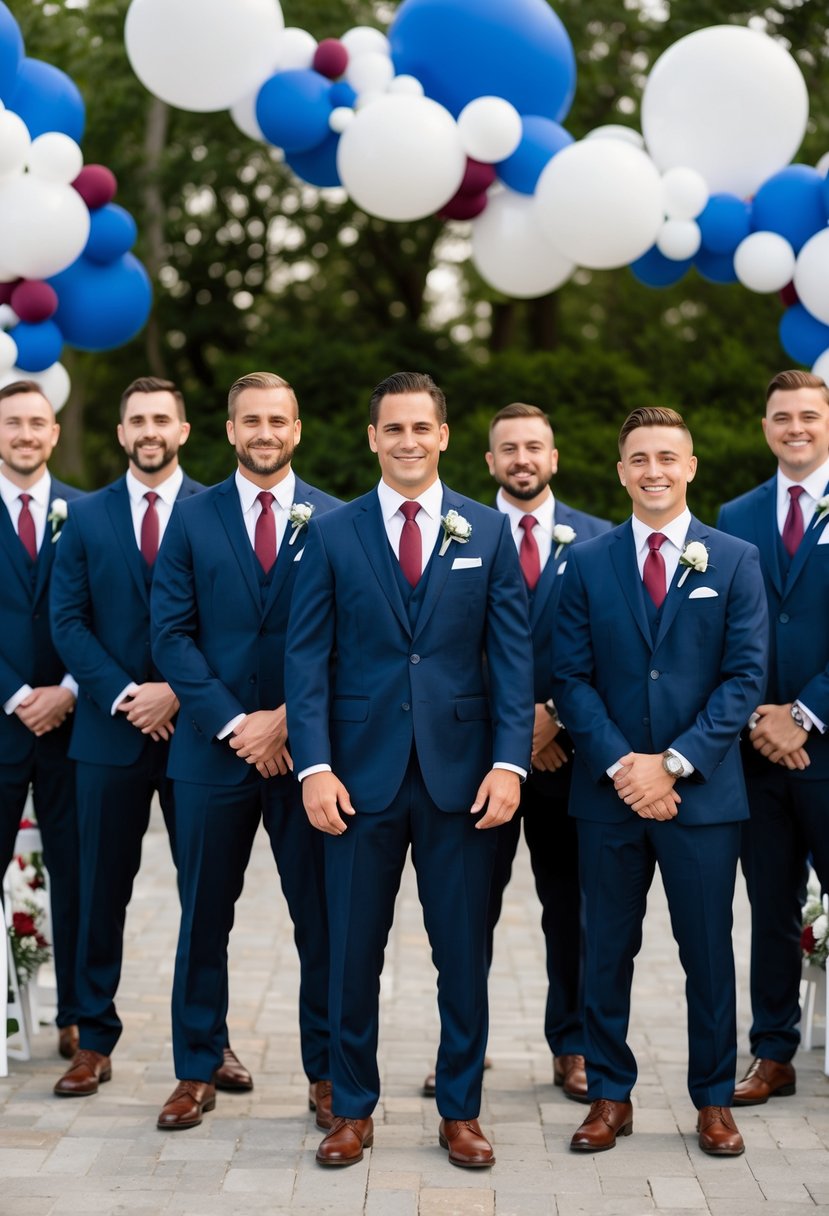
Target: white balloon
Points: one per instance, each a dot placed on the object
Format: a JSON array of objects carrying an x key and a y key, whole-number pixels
[
  {"x": 8, "y": 317},
  {"x": 202, "y": 55},
  {"x": 43, "y": 226},
  {"x": 512, "y": 253},
  {"x": 764, "y": 262},
  {"x": 686, "y": 193},
  {"x": 811, "y": 275},
  {"x": 55, "y": 157},
  {"x": 406, "y": 84},
  {"x": 401, "y": 158},
  {"x": 370, "y": 72},
  {"x": 823, "y": 164},
  {"x": 296, "y": 49},
  {"x": 244, "y": 115},
  {"x": 363, "y": 39},
  {"x": 14, "y": 143},
  {"x": 821, "y": 367},
  {"x": 340, "y": 118},
  {"x": 614, "y": 130},
  {"x": 729, "y": 102},
  {"x": 600, "y": 203},
  {"x": 54, "y": 382},
  {"x": 490, "y": 129},
  {"x": 8, "y": 352},
  {"x": 679, "y": 239}
]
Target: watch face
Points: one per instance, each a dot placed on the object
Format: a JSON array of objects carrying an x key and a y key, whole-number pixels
[{"x": 673, "y": 764}]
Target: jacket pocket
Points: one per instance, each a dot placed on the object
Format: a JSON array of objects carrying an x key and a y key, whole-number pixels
[{"x": 472, "y": 709}]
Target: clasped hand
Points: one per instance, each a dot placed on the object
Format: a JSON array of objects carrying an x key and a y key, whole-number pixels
[
  {"x": 778, "y": 737},
  {"x": 151, "y": 709},
  {"x": 261, "y": 738},
  {"x": 644, "y": 785},
  {"x": 45, "y": 708}
]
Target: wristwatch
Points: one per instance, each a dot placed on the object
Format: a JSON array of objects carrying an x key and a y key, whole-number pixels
[
  {"x": 553, "y": 712},
  {"x": 672, "y": 764},
  {"x": 797, "y": 715}
]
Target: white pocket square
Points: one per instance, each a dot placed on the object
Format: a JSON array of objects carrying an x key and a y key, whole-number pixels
[
  {"x": 561, "y": 569},
  {"x": 299, "y": 555},
  {"x": 823, "y": 539},
  {"x": 466, "y": 563},
  {"x": 703, "y": 593}
]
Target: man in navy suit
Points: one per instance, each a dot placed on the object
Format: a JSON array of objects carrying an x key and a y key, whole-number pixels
[
  {"x": 398, "y": 739},
  {"x": 220, "y": 626},
  {"x": 786, "y": 757},
  {"x": 36, "y": 692},
  {"x": 125, "y": 715},
  {"x": 659, "y": 656}
]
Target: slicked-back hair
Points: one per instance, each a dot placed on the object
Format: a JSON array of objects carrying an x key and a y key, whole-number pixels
[
  {"x": 153, "y": 384},
  {"x": 651, "y": 415},
  {"x": 257, "y": 380},
  {"x": 791, "y": 381},
  {"x": 18, "y": 387},
  {"x": 406, "y": 382},
  {"x": 518, "y": 409}
]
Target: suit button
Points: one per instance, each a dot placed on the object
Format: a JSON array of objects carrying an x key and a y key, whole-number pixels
[
  {"x": 406, "y": 705},
  {"x": 783, "y": 618},
  {"x": 654, "y": 674},
  {"x": 415, "y": 658},
  {"x": 646, "y": 721}
]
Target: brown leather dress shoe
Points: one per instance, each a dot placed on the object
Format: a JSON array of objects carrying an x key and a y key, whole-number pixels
[
  {"x": 718, "y": 1134},
  {"x": 319, "y": 1099},
  {"x": 87, "y": 1071},
  {"x": 605, "y": 1121},
  {"x": 186, "y": 1105},
  {"x": 765, "y": 1079},
  {"x": 428, "y": 1087},
  {"x": 67, "y": 1041},
  {"x": 345, "y": 1142},
  {"x": 232, "y": 1076},
  {"x": 467, "y": 1144},
  {"x": 569, "y": 1073}
]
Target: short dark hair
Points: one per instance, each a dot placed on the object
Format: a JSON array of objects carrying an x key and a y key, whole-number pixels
[
  {"x": 153, "y": 384},
  {"x": 651, "y": 415},
  {"x": 406, "y": 382},
  {"x": 256, "y": 380},
  {"x": 18, "y": 387},
  {"x": 518, "y": 409},
  {"x": 790, "y": 381}
]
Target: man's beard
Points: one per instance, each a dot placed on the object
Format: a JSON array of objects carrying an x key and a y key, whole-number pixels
[
  {"x": 25, "y": 470},
  {"x": 523, "y": 494},
  {"x": 279, "y": 458},
  {"x": 165, "y": 457}
]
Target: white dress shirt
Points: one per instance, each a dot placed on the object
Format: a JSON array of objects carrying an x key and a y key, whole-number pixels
[{"x": 545, "y": 515}]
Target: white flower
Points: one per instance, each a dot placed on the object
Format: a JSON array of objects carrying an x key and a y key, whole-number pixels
[
  {"x": 455, "y": 527},
  {"x": 820, "y": 928},
  {"x": 57, "y": 516},
  {"x": 694, "y": 557},
  {"x": 822, "y": 509},
  {"x": 299, "y": 515},
  {"x": 563, "y": 535}
]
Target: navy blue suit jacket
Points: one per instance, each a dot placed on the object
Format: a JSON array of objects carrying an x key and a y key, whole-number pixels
[
  {"x": 363, "y": 685},
  {"x": 691, "y": 687},
  {"x": 217, "y": 641},
  {"x": 27, "y": 654},
  {"x": 798, "y": 659},
  {"x": 100, "y": 607}
]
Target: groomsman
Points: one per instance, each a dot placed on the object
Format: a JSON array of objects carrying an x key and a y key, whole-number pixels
[
  {"x": 37, "y": 693},
  {"x": 400, "y": 737},
  {"x": 220, "y": 604},
  {"x": 125, "y": 715},
  {"x": 659, "y": 657},
  {"x": 787, "y": 755}
]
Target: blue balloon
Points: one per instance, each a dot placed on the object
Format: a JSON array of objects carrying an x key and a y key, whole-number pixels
[
  {"x": 725, "y": 222},
  {"x": 319, "y": 166},
  {"x": 716, "y": 267},
  {"x": 112, "y": 232},
  {"x": 655, "y": 270},
  {"x": 541, "y": 138},
  {"x": 38, "y": 346},
  {"x": 293, "y": 109},
  {"x": 342, "y": 94},
  {"x": 102, "y": 307},
  {"x": 11, "y": 52},
  {"x": 463, "y": 49},
  {"x": 792, "y": 204},
  {"x": 802, "y": 336},
  {"x": 47, "y": 100}
]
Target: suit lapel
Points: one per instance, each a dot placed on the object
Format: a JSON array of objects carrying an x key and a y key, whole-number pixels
[
  {"x": 120, "y": 515},
  {"x": 230, "y": 513},
  {"x": 768, "y": 534},
  {"x": 623, "y": 556},
  {"x": 371, "y": 532},
  {"x": 46, "y": 554},
  {"x": 545, "y": 585},
  {"x": 10, "y": 541},
  {"x": 439, "y": 568},
  {"x": 287, "y": 552},
  {"x": 676, "y": 594},
  {"x": 810, "y": 539}
]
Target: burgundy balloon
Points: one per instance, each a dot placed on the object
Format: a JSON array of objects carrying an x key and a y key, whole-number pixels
[
  {"x": 6, "y": 290},
  {"x": 34, "y": 301},
  {"x": 96, "y": 185},
  {"x": 464, "y": 206},
  {"x": 477, "y": 178},
  {"x": 788, "y": 295},
  {"x": 330, "y": 58}
]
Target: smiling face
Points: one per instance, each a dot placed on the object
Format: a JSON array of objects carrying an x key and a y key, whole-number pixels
[
  {"x": 656, "y": 466},
  {"x": 796, "y": 427},
  {"x": 151, "y": 432},
  {"x": 264, "y": 430},
  {"x": 408, "y": 440},
  {"x": 28, "y": 434},
  {"x": 523, "y": 459}
]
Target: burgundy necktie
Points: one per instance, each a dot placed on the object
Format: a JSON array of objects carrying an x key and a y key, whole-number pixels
[
  {"x": 793, "y": 527},
  {"x": 528, "y": 554},
  {"x": 264, "y": 536},
  {"x": 653, "y": 573},
  {"x": 26, "y": 527},
  {"x": 149, "y": 529},
  {"x": 411, "y": 544}
]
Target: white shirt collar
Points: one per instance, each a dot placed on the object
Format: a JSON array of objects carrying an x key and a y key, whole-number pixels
[
  {"x": 814, "y": 484},
  {"x": 675, "y": 531},
  {"x": 431, "y": 500},
  {"x": 283, "y": 492},
  {"x": 39, "y": 491},
  {"x": 544, "y": 514},
  {"x": 167, "y": 490}
]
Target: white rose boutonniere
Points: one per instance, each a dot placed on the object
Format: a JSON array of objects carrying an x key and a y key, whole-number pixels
[
  {"x": 299, "y": 515},
  {"x": 821, "y": 509},
  {"x": 563, "y": 535},
  {"x": 693, "y": 557},
  {"x": 57, "y": 516},
  {"x": 455, "y": 527}
]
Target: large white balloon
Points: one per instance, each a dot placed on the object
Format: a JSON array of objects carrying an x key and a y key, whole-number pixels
[
  {"x": 14, "y": 143},
  {"x": 729, "y": 102},
  {"x": 686, "y": 193},
  {"x": 512, "y": 253},
  {"x": 764, "y": 262},
  {"x": 296, "y": 50},
  {"x": 401, "y": 158},
  {"x": 43, "y": 226},
  {"x": 679, "y": 239},
  {"x": 363, "y": 39},
  {"x": 202, "y": 54},
  {"x": 55, "y": 157},
  {"x": 54, "y": 381},
  {"x": 615, "y": 130},
  {"x": 490, "y": 129},
  {"x": 821, "y": 366},
  {"x": 370, "y": 72},
  {"x": 600, "y": 203},
  {"x": 811, "y": 276}
]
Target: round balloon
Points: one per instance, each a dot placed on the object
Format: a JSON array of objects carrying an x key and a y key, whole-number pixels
[
  {"x": 318, "y": 165},
  {"x": 203, "y": 56},
  {"x": 600, "y": 203},
  {"x": 14, "y": 143},
  {"x": 55, "y": 385},
  {"x": 102, "y": 307},
  {"x": 112, "y": 232},
  {"x": 293, "y": 109},
  {"x": 43, "y": 226},
  {"x": 47, "y": 100},
  {"x": 679, "y": 240},
  {"x": 614, "y": 130},
  {"x": 541, "y": 139},
  {"x": 11, "y": 52},
  {"x": 8, "y": 353},
  {"x": 297, "y": 49},
  {"x": 802, "y": 336},
  {"x": 401, "y": 158},
  {"x": 685, "y": 193},
  {"x": 764, "y": 262},
  {"x": 464, "y": 206},
  {"x": 745, "y": 123},
  {"x": 716, "y": 267},
  {"x": 791, "y": 203},
  {"x": 511, "y": 252},
  {"x": 490, "y": 129},
  {"x": 811, "y": 275},
  {"x": 330, "y": 58},
  {"x": 363, "y": 39},
  {"x": 821, "y": 367},
  {"x": 369, "y": 72},
  {"x": 724, "y": 222},
  {"x": 96, "y": 185},
  {"x": 655, "y": 270},
  {"x": 55, "y": 157},
  {"x": 33, "y": 300},
  {"x": 38, "y": 346}
]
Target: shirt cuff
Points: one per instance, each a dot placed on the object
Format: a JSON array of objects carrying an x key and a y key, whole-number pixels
[
  {"x": 614, "y": 768},
  {"x": 125, "y": 692},
  {"x": 511, "y": 768},
  {"x": 314, "y": 768},
  {"x": 231, "y": 726},
  {"x": 687, "y": 766},
  {"x": 22, "y": 693},
  {"x": 70, "y": 683},
  {"x": 809, "y": 719}
]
